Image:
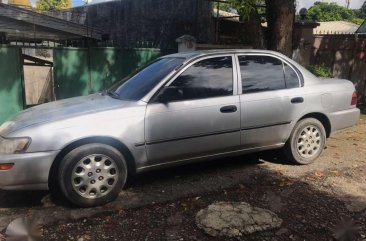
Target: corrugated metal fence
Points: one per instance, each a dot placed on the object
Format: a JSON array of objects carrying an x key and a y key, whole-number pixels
[
  {"x": 76, "y": 71},
  {"x": 11, "y": 82},
  {"x": 80, "y": 71}
]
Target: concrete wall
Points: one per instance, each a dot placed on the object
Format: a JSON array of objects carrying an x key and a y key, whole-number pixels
[
  {"x": 344, "y": 56},
  {"x": 158, "y": 22}
]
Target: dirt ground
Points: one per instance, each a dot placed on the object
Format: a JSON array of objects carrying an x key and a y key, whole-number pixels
[{"x": 316, "y": 202}]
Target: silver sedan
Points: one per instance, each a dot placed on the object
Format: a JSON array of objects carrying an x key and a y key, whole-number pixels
[{"x": 180, "y": 108}]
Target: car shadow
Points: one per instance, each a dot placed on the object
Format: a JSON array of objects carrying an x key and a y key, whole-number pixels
[
  {"x": 222, "y": 165},
  {"x": 193, "y": 169},
  {"x": 159, "y": 178},
  {"x": 24, "y": 199}
]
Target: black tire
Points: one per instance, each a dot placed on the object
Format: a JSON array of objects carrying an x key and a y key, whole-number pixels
[
  {"x": 94, "y": 177},
  {"x": 305, "y": 149}
]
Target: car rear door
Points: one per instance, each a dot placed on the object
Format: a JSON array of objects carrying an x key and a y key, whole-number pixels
[
  {"x": 196, "y": 114},
  {"x": 271, "y": 99}
]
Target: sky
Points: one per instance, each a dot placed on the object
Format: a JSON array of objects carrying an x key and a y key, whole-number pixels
[{"x": 355, "y": 4}]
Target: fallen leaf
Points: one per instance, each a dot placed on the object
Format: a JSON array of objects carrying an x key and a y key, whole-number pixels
[{"x": 319, "y": 174}]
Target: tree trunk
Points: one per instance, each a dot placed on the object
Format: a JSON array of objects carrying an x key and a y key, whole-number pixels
[
  {"x": 254, "y": 30},
  {"x": 280, "y": 19}
]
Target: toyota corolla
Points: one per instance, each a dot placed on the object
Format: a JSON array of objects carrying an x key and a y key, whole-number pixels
[{"x": 181, "y": 108}]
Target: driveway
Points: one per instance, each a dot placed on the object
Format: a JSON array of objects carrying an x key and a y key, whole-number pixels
[{"x": 312, "y": 200}]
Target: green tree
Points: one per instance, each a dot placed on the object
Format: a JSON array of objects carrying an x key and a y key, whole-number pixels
[
  {"x": 223, "y": 6},
  {"x": 324, "y": 11},
  {"x": 45, "y": 5},
  {"x": 362, "y": 10},
  {"x": 278, "y": 13}
]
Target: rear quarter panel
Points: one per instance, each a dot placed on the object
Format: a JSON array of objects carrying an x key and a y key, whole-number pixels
[{"x": 331, "y": 97}]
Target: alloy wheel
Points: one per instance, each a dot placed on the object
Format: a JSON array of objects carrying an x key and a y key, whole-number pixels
[
  {"x": 94, "y": 176},
  {"x": 309, "y": 141}
]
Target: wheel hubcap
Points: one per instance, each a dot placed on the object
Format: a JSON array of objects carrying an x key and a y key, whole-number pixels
[
  {"x": 94, "y": 176},
  {"x": 309, "y": 141}
]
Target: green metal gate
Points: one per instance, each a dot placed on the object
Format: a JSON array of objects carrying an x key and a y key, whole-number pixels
[
  {"x": 76, "y": 74},
  {"x": 71, "y": 72},
  {"x": 11, "y": 82}
]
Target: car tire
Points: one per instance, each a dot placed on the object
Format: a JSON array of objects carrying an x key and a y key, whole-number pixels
[
  {"x": 306, "y": 143},
  {"x": 92, "y": 175}
]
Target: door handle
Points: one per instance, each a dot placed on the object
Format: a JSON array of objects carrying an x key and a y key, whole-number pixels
[
  {"x": 297, "y": 100},
  {"x": 228, "y": 109}
]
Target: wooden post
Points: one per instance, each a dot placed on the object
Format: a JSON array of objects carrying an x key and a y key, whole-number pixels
[
  {"x": 2, "y": 38},
  {"x": 217, "y": 22}
]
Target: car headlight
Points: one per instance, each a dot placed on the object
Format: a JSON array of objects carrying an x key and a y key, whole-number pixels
[{"x": 14, "y": 145}]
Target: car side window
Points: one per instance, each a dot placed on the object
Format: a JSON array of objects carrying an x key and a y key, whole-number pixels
[
  {"x": 261, "y": 73},
  {"x": 292, "y": 79},
  {"x": 205, "y": 79}
]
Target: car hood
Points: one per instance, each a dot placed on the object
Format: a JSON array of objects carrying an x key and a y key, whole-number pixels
[{"x": 63, "y": 109}]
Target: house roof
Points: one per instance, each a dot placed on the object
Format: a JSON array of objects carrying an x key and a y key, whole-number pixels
[
  {"x": 226, "y": 15},
  {"x": 21, "y": 3},
  {"x": 20, "y": 23},
  {"x": 336, "y": 27}
]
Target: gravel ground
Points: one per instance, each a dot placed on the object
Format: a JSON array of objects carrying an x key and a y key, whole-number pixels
[{"x": 316, "y": 202}]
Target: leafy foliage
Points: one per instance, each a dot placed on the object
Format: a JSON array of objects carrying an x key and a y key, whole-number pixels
[
  {"x": 363, "y": 10},
  {"x": 324, "y": 11},
  {"x": 223, "y": 6},
  {"x": 45, "y": 5},
  {"x": 320, "y": 71},
  {"x": 358, "y": 21},
  {"x": 243, "y": 7}
]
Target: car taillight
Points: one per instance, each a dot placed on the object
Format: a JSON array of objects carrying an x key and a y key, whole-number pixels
[
  {"x": 354, "y": 98},
  {"x": 6, "y": 166}
]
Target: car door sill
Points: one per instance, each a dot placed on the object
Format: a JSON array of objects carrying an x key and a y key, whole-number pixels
[{"x": 207, "y": 157}]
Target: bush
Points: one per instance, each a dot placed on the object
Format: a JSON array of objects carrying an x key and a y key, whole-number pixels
[
  {"x": 320, "y": 71},
  {"x": 358, "y": 21}
]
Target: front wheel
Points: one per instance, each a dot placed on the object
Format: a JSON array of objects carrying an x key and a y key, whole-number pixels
[
  {"x": 92, "y": 175},
  {"x": 306, "y": 142}
]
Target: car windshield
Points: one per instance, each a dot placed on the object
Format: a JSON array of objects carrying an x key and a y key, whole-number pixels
[{"x": 138, "y": 84}]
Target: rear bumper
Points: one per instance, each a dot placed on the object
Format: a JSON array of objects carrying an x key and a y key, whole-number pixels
[
  {"x": 344, "y": 119},
  {"x": 30, "y": 171}
]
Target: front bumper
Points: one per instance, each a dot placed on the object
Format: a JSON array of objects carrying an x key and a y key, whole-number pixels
[
  {"x": 344, "y": 119},
  {"x": 30, "y": 171}
]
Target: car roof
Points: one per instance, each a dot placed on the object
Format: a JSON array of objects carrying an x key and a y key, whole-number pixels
[{"x": 189, "y": 55}]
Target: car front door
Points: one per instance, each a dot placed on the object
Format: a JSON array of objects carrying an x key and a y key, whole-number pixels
[
  {"x": 271, "y": 99},
  {"x": 195, "y": 114}
]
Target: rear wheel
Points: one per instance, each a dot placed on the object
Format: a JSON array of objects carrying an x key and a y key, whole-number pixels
[
  {"x": 92, "y": 175},
  {"x": 306, "y": 142}
]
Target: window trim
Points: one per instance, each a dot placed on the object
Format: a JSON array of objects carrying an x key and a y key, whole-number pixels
[
  {"x": 300, "y": 79},
  {"x": 240, "y": 81},
  {"x": 172, "y": 78}
]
